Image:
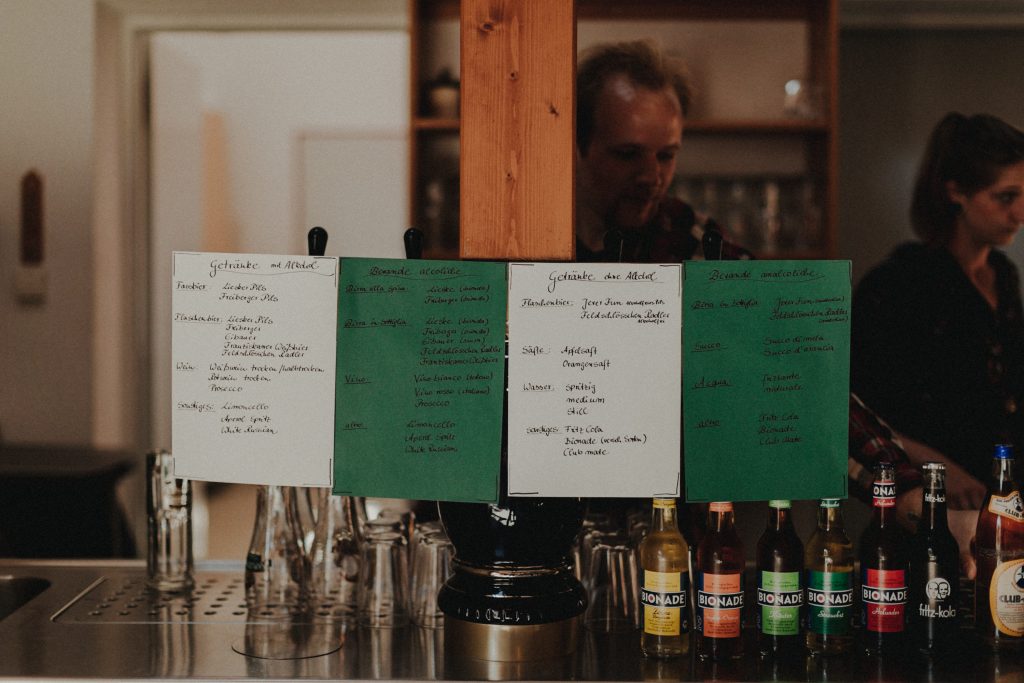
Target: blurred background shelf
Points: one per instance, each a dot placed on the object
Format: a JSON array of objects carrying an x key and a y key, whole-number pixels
[{"x": 743, "y": 56}]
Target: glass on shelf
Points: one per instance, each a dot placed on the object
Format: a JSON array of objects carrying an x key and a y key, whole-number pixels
[
  {"x": 803, "y": 99},
  {"x": 771, "y": 214}
]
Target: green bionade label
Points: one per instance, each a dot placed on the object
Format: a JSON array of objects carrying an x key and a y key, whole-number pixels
[
  {"x": 829, "y": 602},
  {"x": 779, "y": 597}
]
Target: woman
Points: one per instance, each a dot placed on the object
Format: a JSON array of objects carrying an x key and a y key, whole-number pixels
[{"x": 938, "y": 333}]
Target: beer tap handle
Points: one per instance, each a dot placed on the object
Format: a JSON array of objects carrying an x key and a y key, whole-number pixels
[
  {"x": 317, "y": 240},
  {"x": 712, "y": 241},
  {"x": 413, "y": 239}
]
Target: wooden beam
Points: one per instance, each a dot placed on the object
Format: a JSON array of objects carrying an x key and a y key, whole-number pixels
[{"x": 518, "y": 122}]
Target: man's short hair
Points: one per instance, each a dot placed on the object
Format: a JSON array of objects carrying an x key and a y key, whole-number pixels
[{"x": 641, "y": 62}]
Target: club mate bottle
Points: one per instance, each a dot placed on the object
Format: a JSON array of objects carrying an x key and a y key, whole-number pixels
[{"x": 999, "y": 545}]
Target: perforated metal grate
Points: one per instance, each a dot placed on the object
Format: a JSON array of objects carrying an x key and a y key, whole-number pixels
[{"x": 216, "y": 598}]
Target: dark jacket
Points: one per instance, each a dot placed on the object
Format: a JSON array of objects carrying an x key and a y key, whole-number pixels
[{"x": 932, "y": 358}]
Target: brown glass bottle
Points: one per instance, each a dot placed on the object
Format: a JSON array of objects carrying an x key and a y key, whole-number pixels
[
  {"x": 719, "y": 587},
  {"x": 665, "y": 573},
  {"x": 934, "y": 570},
  {"x": 883, "y": 570},
  {"x": 780, "y": 593},
  {"x": 828, "y": 566},
  {"x": 999, "y": 547}
]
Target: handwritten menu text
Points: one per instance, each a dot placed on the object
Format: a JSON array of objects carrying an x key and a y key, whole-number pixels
[
  {"x": 421, "y": 347},
  {"x": 253, "y": 357},
  {"x": 766, "y": 379},
  {"x": 593, "y": 388}
]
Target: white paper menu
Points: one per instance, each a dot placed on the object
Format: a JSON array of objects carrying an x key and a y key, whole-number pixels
[
  {"x": 594, "y": 379},
  {"x": 253, "y": 361}
]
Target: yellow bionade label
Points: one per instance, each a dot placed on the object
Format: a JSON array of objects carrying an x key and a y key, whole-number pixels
[
  {"x": 1006, "y": 597},
  {"x": 663, "y": 595}
]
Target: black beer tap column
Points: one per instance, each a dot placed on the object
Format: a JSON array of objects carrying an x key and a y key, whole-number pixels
[{"x": 513, "y": 596}]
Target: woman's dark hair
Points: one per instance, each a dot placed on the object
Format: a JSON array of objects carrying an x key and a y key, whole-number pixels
[
  {"x": 970, "y": 152},
  {"x": 641, "y": 62}
]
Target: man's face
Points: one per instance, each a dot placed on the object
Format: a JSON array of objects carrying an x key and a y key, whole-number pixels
[{"x": 624, "y": 173}]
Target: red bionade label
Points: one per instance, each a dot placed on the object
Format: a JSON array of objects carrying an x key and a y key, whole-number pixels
[{"x": 883, "y": 595}]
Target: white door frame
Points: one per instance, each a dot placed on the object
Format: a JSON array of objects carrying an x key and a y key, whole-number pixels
[{"x": 121, "y": 210}]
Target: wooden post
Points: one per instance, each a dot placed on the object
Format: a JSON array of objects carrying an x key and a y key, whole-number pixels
[{"x": 518, "y": 122}]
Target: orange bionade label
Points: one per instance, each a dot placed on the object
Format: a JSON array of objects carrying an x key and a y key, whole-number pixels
[{"x": 719, "y": 605}]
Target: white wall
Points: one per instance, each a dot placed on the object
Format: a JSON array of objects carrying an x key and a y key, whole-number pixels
[
  {"x": 334, "y": 103},
  {"x": 46, "y": 120}
]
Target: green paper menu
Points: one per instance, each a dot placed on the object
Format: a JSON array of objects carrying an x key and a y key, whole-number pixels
[
  {"x": 766, "y": 374},
  {"x": 420, "y": 379}
]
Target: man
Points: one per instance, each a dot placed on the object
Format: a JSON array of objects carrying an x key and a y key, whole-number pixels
[
  {"x": 631, "y": 107},
  {"x": 631, "y": 102}
]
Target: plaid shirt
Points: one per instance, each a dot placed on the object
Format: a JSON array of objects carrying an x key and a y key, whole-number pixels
[{"x": 871, "y": 442}]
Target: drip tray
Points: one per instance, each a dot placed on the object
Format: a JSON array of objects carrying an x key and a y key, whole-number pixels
[
  {"x": 217, "y": 598},
  {"x": 125, "y": 599}
]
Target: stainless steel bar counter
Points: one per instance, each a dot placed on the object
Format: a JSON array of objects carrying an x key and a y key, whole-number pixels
[{"x": 95, "y": 619}]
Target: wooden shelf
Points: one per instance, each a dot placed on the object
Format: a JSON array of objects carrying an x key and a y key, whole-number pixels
[
  {"x": 760, "y": 10},
  {"x": 431, "y": 123}
]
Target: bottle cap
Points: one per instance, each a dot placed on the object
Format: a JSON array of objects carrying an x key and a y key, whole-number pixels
[
  {"x": 780, "y": 504},
  {"x": 720, "y": 506},
  {"x": 829, "y": 502},
  {"x": 933, "y": 467},
  {"x": 664, "y": 503},
  {"x": 1004, "y": 451}
]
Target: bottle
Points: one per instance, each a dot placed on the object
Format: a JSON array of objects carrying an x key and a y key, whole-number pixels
[
  {"x": 335, "y": 558},
  {"x": 276, "y": 568},
  {"x": 664, "y": 561},
  {"x": 828, "y": 566},
  {"x": 999, "y": 546},
  {"x": 719, "y": 608},
  {"x": 780, "y": 593},
  {"x": 169, "y": 565},
  {"x": 934, "y": 569},
  {"x": 883, "y": 570}
]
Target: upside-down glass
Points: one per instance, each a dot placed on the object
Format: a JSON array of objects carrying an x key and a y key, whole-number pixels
[
  {"x": 613, "y": 586},
  {"x": 432, "y": 558},
  {"x": 169, "y": 516},
  {"x": 384, "y": 581}
]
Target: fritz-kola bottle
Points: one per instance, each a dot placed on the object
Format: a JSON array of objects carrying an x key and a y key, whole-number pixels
[
  {"x": 664, "y": 561},
  {"x": 828, "y": 563},
  {"x": 999, "y": 542},
  {"x": 934, "y": 569},
  {"x": 719, "y": 570},
  {"x": 780, "y": 592},
  {"x": 883, "y": 569}
]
